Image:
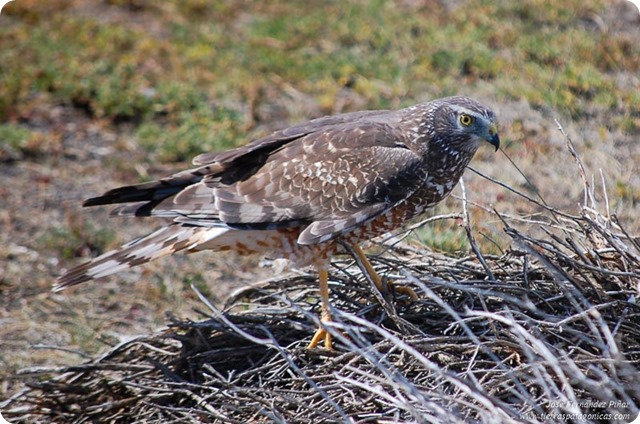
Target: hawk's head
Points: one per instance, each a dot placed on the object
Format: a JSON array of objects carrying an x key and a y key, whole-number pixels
[{"x": 461, "y": 124}]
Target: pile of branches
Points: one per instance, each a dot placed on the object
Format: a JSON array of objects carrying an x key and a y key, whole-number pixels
[{"x": 548, "y": 331}]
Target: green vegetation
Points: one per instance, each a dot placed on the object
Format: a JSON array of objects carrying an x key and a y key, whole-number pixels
[
  {"x": 14, "y": 140},
  {"x": 445, "y": 238},
  {"x": 198, "y": 54},
  {"x": 77, "y": 238}
]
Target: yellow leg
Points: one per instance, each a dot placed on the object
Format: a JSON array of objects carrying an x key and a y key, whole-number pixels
[
  {"x": 321, "y": 333},
  {"x": 382, "y": 286},
  {"x": 367, "y": 266}
]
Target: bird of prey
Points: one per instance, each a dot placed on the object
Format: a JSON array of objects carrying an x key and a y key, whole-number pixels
[{"x": 305, "y": 192}]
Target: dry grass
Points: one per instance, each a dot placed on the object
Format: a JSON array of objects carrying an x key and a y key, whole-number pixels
[{"x": 547, "y": 331}]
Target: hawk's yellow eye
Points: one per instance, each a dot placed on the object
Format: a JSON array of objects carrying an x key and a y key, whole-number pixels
[{"x": 465, "y": 119}]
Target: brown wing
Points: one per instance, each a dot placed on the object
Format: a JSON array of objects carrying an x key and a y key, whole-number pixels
[
  {"x": 330, "y": 181},
  {"x": 279, "y": 138},
  {"x": 230, "y": 165}
]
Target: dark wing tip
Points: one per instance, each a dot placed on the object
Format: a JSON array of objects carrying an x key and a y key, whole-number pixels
[
  {"x": 134, "y": 193},
  {"x": 96, "y": 201}
]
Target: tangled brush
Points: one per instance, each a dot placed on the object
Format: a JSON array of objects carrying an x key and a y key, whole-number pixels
[{"x": 548, "y": 331}]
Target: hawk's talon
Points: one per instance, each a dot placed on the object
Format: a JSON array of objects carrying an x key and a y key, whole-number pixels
[
  {"x": 408, "y": 291},
  {"x": 319, "y": 335}
]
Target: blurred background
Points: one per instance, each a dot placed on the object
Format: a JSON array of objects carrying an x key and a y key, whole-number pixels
[{"x": 96, "y": 94}]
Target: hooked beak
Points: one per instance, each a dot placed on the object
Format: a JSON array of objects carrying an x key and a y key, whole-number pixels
[{"x": 493, "y": 138}]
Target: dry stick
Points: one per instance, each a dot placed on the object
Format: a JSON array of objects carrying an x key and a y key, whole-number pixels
[
  {"x": 358, "y": 344},
  {"x": 588, "y": 191},
  {"x": 529, "y": 198},
  {"x": 271, "y": 342},
  {"x": 521, "y": 390},
  {"x": 575, "y": 297},
  {"x": 379, "y": 392},
  {"x": 604, "y": 194},
  {"x": 62, "y": 349},
  {"x": 406, "y": 231},
  {"x": 541, "y": 347},
  {"x": 466, "y": 388},
  {"x": 404, "y": 326},
  {"x": 632, "y": 240},
  {"x": 525, "y": 218},
  {"x": 607, "y": 236},
  {"x": 588, "y": 194},
  {"x": 472, "y": 240},
  {"x": 363, "y": 347},
  {"x": 577, "y": 264},
  {"x": 529, "y": 182},
  {"x": 377, "y": 359}
]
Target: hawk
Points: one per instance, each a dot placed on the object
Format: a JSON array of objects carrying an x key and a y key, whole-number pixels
[{"x": 304, "y": 192}]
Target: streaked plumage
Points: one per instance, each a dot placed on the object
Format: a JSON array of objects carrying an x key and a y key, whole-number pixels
[{"x": 298, "y": 192}]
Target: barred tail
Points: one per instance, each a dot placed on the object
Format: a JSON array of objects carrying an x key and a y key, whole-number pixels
[{"x": 163, "y": 242}]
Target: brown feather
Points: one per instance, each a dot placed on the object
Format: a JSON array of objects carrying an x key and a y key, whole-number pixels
[{"x": 298, "y": 190}]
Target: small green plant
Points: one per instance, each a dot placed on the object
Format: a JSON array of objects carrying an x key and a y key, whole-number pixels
[
  {"x": 443, "y": 237},
  {"x": 14, "y": 141},
  {"x": 198, "y": 281},
  {"x": 203, "y": 129},
  {"x": 77, "y": 238}
]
